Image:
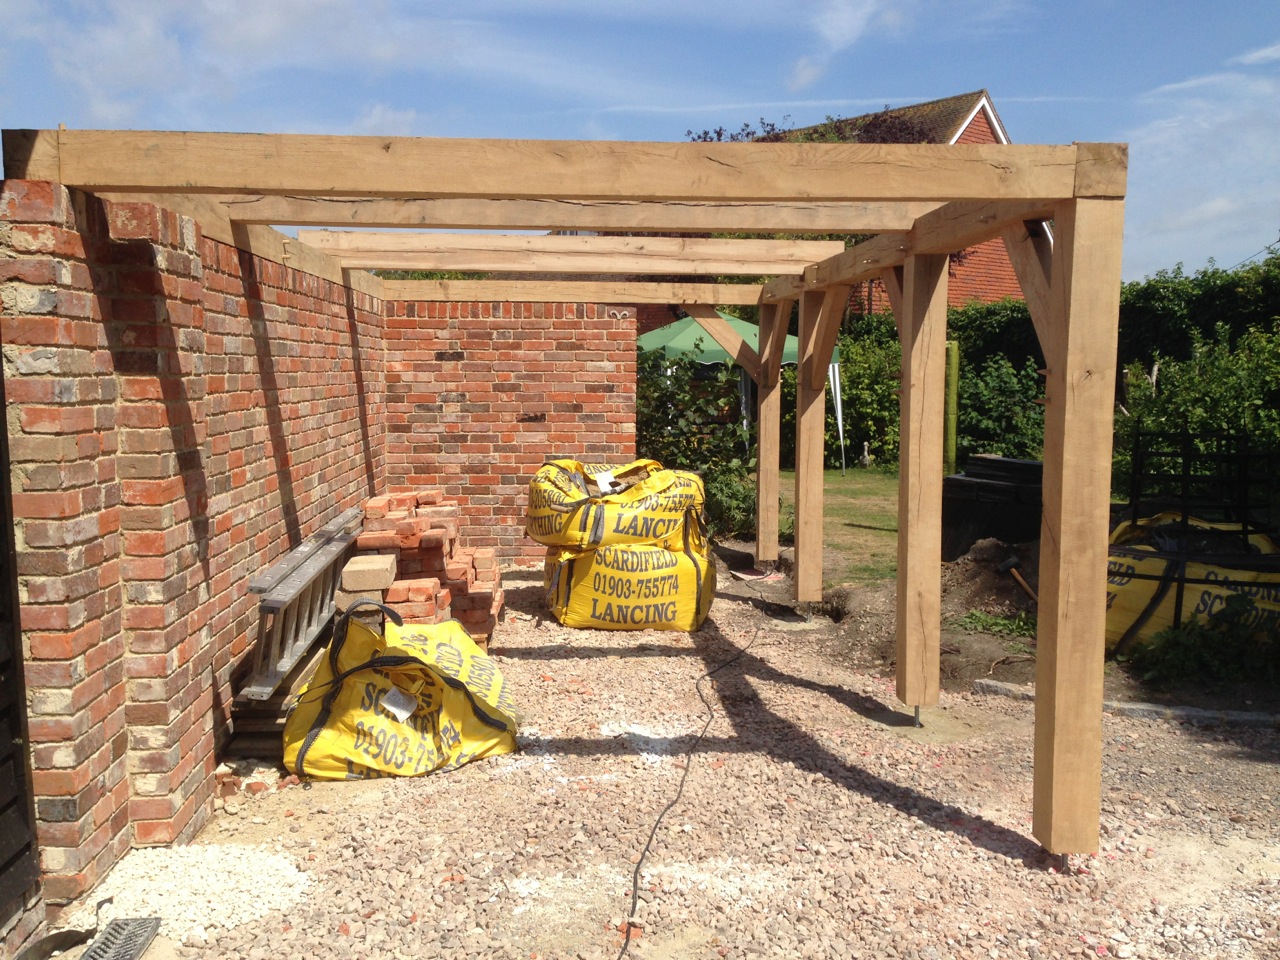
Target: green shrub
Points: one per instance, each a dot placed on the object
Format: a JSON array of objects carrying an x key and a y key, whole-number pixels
[
  {"x": 687, "y": 418},
  {"x": 998, "y": 411},
  {"x": 1226, "y": 647}
]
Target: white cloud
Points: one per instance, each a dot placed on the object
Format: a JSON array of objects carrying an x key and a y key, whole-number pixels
[
  {"x": 1203, "y": 181},
  {"x": 1265, "y": 55},
  {"x": 382, "y": 120}
]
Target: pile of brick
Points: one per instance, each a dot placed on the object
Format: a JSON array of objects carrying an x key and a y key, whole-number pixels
[{"x": 408, "y": 557}]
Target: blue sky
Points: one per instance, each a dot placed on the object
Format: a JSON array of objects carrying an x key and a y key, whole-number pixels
[{"x": 1193, "y": 88}]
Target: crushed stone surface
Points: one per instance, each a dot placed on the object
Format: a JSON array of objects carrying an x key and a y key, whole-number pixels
[{"x": 816, "y": 821}]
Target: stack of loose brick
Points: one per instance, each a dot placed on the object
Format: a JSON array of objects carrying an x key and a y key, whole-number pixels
[{"x": 408, "y": 558}]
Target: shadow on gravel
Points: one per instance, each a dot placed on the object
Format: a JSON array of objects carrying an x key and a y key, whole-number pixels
[{"x": 760, "y": 730}]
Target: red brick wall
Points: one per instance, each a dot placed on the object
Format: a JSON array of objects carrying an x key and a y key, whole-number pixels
[
  {"x": 180, "y": 413},
  {"x": 479, "y": 395}
]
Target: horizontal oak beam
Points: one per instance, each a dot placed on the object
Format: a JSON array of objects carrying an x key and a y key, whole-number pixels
[
  {"x": 569, "y": 291},
  {"x": 792, "y": 252},
  {"x": 312, "y": 165},
  {"x": 673, "y": 216},
  {"x": 516, "y": 253},
  {"x": 948, "y": 229}
]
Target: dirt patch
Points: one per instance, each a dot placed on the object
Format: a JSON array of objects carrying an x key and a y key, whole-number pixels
[{"x": 863, "y": 628}]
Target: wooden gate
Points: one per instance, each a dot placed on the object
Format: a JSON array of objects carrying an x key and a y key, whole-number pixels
[{"x": 19, "y": 862}]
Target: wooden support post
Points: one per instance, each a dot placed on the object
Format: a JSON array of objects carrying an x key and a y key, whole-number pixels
[
  {"x": 774, "y": 318},
  {"x": 951, "y": 415},
  {"x": 811, "y": 417},
  {"x": 923, "y": 332},
  {"x": 1084, "y": 301}
]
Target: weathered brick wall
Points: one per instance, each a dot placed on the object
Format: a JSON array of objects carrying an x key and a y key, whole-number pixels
[
  {"x": 479, "y": 395},
  {"x": 180, "y": 414}
]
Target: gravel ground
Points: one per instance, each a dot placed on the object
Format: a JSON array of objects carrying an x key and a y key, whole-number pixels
[{"x": 815, "y": 822}]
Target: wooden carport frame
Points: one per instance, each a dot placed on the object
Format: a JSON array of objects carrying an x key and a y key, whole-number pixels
[{"x": 935, "y": 200}]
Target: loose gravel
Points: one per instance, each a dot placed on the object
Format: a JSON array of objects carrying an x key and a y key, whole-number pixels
[{"x": 816, "y": 821}]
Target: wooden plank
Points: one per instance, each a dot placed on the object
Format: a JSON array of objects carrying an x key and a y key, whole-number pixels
[
  {"x": 311, "y": 165},
  {"x": 744, "y": 355},
  {"x": 30, "y": 155},
  {"x": 773, "y": 339},
  {"x": 859, "y": 262},
  {"x": 773, "y": 331},
  {"x": 784, "y": 288},
  {"x": 675, "y": 216},
  {"x": 891, "y": 277},
  {"x": 948, "y": 229},
  {"x": 275, "y": 246},
  {"x": 1031, "y": 254},
  {"x": 1080, "y": 395},
  {"x": 209, "y": 214},
  {"x": 835, "y": 303},
  {"x": 1101, "y": 169},
  {"x": 924, "y": 352},
  {"x": 517, "y": 253},
  {"x": 811, "y": 417},
  {"x": 795, "y": 253},
  {"x": 259, "y": 240},
  {"x": 570, "y": 291},
  {"x": 561, "y": 263}
]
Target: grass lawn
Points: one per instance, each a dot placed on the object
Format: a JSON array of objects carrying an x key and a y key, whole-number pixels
[{"x": 860, "y": 509}]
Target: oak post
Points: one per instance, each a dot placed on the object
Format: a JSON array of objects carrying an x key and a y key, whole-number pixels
[
  {"x": 811, "y": 411},
  {"x": 923, "y": 332},
  {"x": 769, "y": 432},
  {"x": 1084, "y": 300}
]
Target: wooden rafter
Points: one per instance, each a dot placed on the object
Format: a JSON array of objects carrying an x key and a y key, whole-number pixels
[
  {"x": 599, "y": 215},
  {"x": 319, "y": 166},
  {"x": 744, "y": 355},
  {"x": 571, "y": 291},
  {"x": 947, "y": 229},
  {"x": 540, "y": 253}
]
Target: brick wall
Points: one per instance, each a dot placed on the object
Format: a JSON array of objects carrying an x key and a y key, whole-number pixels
[
  {"x": 180, "y": 413},
  {"x": 479, "y": 395}
]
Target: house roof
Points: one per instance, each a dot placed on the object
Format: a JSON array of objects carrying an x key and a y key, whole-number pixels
[{"x": 943, "y": 120}]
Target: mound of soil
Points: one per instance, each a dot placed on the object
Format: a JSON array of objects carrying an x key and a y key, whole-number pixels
[{"x": 863, "y": 628}]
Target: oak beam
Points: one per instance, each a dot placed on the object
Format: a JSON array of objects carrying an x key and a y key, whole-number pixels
[
  {"x": 774, "y": 318},
  {"x": 676, "y": 216},
  {"x": 570, "y": 291},
  {"x": 1079, "y": 398},
  {"x": 744, "y": 355},
  {"x": 923, "y": 333},
  {"x": 311, "y": 165},
  {"x": 787, "y": 288},
  {"x": 835, "y": 303},
  {"x": 811, "y": 417},
  {"x": 511, "y": 253},
  {"x": 1030, "y": 251}
]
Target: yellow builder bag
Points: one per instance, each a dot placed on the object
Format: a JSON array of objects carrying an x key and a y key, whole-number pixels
[
  {"x": 421, "y": 698},
  {"x": 580, "y": 505},
  {"x": 1142, "y": 578},
  {"x": 633, "y": 586}
]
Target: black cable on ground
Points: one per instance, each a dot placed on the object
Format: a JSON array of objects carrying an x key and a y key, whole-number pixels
[{"x": 688, "y": 765}]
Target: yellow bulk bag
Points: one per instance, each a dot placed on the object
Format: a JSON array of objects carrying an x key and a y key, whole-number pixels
[
  {"x": 632, "y": 586},
  {"x": 1142, "y": 580},
  {"x": 580, "y": 505},
  {"x": 420, "y": 699}
]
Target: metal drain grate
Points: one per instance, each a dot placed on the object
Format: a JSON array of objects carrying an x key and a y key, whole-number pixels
[{"x": 123, "y": 939}]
